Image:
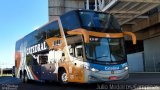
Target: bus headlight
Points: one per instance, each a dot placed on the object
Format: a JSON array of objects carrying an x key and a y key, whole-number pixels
[
  {"x": 126, "y": 68},
  {"x": 91, "y": 69}
]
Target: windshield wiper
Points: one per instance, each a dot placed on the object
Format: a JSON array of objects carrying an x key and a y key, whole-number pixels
[{"x": 118, "y": 55}]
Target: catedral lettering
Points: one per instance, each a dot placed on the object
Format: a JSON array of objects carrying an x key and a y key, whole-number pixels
[
  {"x": 36, "y": 48},
  {"x": 80, "y": 46}
]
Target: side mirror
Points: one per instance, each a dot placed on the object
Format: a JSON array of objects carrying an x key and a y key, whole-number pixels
[{"x": 132, "y": 35}]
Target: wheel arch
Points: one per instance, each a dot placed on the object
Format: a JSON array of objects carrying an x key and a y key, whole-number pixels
[{"x": 62, "y": 69}]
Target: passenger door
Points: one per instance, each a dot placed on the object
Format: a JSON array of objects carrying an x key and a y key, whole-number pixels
[
  {"x": 77, "y": 63},
  {"x": 47, "y": 68}
]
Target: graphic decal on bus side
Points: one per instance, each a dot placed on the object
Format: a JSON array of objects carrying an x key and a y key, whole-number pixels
[
  {"x": 27, "y": 57},
  {"x": 22, "y": 57}
]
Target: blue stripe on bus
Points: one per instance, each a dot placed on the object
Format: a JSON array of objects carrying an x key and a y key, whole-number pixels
[{"x": 108, "y": 67}]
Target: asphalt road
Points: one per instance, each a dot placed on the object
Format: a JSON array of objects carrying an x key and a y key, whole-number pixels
[{"x": 141, "y": 81}]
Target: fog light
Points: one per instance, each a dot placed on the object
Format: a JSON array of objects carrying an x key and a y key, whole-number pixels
[{"x": 92, "y": 77}]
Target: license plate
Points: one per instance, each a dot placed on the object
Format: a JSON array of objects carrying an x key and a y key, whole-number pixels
[{"x": 113, "y": 78}]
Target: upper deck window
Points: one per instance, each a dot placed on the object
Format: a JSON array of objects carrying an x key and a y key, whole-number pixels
[
  {"x": 99, "y": 22},
  {"x": 53, "y": 30},
  {"x": 91, "y": 21},
  {"x": 70, "y": 21}
]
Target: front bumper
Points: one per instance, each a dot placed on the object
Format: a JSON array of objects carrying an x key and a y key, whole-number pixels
[{"x": 104, "y": 76}]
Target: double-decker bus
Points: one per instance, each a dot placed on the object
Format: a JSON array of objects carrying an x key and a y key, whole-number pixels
[{"x": 80, "y": 46}]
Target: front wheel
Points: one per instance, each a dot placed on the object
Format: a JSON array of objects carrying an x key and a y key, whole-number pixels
[{"x": 63, "y": 77}]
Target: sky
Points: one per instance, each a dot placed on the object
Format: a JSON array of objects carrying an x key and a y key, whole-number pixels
[{"x": 17, "y": 19}]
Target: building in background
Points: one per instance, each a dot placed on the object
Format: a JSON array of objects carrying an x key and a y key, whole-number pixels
[
  {"x": 59, "y": 7},
  {"x": 139, "y": 16}
]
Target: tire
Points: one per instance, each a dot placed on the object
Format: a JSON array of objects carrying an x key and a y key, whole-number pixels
[
  {"x": 21, "y": 76},
  {"x": 62, "y": 77},
  {"x": 13, "y": 75},
  {"x": 25, "y": 78}
]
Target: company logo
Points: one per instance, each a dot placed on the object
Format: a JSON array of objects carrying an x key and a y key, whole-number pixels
[
  {"x": 36, "y": 48},
  {"x": 112, "y": 68}
]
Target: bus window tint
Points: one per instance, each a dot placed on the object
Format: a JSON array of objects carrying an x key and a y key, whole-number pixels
[
  {"x": 99, "y": 22},
  {"x": 79, "y": 52},
  {"x": 70, "y": 21},
  {"x": 43, "y": 59},
  {"x": 53, "y": 30},
  {"x": 40, "y": 36}
]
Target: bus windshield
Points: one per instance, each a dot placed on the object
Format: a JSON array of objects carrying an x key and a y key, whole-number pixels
[
  {"x": 99, "y": 22},
  {"x": 104, "y": 50}
]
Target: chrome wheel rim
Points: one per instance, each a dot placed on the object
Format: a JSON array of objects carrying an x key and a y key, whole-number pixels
[
  {"x": 64, "y": 77},
  {"x": 25, "y": 78}
]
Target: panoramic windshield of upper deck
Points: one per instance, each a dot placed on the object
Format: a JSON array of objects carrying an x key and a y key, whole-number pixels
[
  {"x": 91, "y": 21},
  {"x": 99, "y": 22}
]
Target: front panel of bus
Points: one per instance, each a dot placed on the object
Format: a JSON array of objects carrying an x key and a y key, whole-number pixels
[{"x": 106, "y": 59}]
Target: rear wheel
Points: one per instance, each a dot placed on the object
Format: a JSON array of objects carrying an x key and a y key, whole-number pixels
[
  {"x": 21, "y": 76},
  {"x": 63, "y": 77},
  {"x": 25, "y": 79}
]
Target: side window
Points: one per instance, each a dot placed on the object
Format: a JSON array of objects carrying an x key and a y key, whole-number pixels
[
  {"x": 40, "y": 35},
  {"x": 70, "y": 21},
  {"x": 63, "y": 57},
  {"x": 71, "y": 50},
  {"x": 43, "y": 59},
  {"x": 53, "y": 30},
  {"x": 48, "y": 31},
  {"x": 79, "y": 51}
]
